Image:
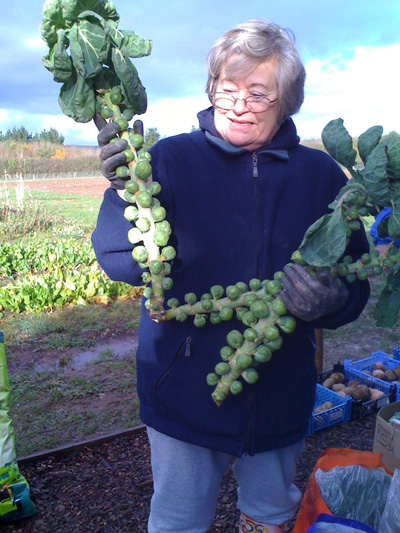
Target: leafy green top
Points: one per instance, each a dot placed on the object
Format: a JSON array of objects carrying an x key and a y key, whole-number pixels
[{"x": 98, "y": 59}]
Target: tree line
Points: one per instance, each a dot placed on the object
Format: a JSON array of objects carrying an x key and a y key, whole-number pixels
[{"x": 22, "y": 135}]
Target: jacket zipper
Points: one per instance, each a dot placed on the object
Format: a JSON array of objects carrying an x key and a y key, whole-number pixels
[
  {"x": 185, "y": 349},
  {"x": 250, "y": 419}
]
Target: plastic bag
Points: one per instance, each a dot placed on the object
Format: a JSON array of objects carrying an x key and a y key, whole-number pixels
[
  {"x": 355, "y": 492},
  {"x": 312, "y": 504},
  {"x": 326, "y": 523},
  {"x": 390, "y": 521}
]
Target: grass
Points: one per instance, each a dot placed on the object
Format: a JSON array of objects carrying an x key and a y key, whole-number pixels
[{"x": 81, "y": 210}]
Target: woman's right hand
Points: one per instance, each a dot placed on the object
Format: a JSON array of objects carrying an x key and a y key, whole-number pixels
[{"x": 111, "y": 154}]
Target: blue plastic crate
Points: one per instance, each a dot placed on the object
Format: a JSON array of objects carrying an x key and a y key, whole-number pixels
[
  {"x": 340, "y": 412},
  {"x": 357, "y": 368},
  {"x": 359, "y": 409},
  {"x": 396, "y": 353}
]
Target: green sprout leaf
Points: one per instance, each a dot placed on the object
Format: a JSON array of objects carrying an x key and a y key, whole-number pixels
[{"x": 339, "y": 143}]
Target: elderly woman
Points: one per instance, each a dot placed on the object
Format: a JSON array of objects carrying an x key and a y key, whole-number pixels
[{"x": 239, "y": 195}]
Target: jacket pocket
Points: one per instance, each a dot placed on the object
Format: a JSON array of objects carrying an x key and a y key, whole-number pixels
[{"x": 183, "y": 351}]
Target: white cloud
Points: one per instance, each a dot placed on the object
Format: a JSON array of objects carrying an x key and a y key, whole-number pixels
[{"x": 363, "y": 90}]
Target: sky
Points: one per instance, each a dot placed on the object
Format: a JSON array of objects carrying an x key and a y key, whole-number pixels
[{"x": 350, "y": 49}]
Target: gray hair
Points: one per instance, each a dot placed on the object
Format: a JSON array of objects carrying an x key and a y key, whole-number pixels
[{"x": 254, "y": 42}]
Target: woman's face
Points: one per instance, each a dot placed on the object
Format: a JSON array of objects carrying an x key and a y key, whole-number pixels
[{"x": 239, "y": 126}]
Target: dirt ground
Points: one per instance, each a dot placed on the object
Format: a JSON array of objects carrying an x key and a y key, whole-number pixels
[{"x": 93, "y": 187}]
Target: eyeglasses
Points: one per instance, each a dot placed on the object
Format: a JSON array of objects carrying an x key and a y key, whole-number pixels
[{"x": 255, "y": 103}]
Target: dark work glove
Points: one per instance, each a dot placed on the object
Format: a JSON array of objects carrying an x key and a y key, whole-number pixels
[
  {"x": 111, "y": 153},
  {"x": 309, "y": 298}
]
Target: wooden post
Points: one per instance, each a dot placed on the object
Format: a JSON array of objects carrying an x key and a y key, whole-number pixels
[{"x": 319, "y": 353}]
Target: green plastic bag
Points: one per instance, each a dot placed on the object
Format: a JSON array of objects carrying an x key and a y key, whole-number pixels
[{"x": 15, "y": 502}]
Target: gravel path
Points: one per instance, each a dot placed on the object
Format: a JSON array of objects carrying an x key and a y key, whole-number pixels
[{"x": 107, "y": 489}]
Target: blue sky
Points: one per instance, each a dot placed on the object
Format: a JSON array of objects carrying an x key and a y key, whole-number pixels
[{"x": 351, "y": 50}]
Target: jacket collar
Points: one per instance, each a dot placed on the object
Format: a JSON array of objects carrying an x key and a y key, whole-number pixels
[{"x": 284, "y": 139}]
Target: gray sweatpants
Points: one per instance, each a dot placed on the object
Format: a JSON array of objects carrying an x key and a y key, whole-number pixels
[{"x": 187, "y": 481}]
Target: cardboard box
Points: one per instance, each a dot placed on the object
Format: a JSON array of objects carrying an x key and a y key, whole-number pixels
[{"x": 387, "y": 436}]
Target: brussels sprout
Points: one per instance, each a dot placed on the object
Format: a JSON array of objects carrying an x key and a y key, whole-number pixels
[
  {"x": 222, "y": 368},
  {"x": 351, "y": 278},
  {"x": 212, "y": 379},
  {"x": 235, "y": 387},
  {"x": 135, "y": 235},
  {"x": 156, "y": 267},
  {"x": 287, "y": 324},
  {"x": 259, "y": 309},
  {"x": 131, "y": 213},
  {"x": 248, "y": 318},
  {"x": 250, "y": 375},
  {"x": 106, "y": 112},
  {"x": 143, "y": 155},
  {"x": 144, "y": 199},
  {"x": 167, "y": 269},
  {"x": 243, "y": 360},
  {"x": 164, "y": 225},
  {"x": 136, "y": 140},
  {"x": 234, "y": 338},
  {"x": 143, "y": 170},
  {"x": 274, "y": 287},
  {"x": 366, "y": 258},
  {"x": 146, "y": 277},
  {"x": 139, "y": 253},
  {"x": 154, "y": 188},
  {"x": 232, "y": 292},
  {"x": 206, "y": 304},
  {"x": 143, "y": 224},
  {"x": 240, "y": 312},
  {"x": 254, "y": 284},
  {"x": 226, "y": 313},
  {"x": 278, "y": 275},
  {"x": 131, "y": 198},
  {"x": 173, "y": 302},
  {"x": 160, "y": 237},
  {"x": 347, "y": 259},
  {"x": 226, "y": 352},
  {"x": 190, "y": 298},
  {"x": 271, "y": 333},
  {"x": 168, "y": 253},
  {"x": 377, "y": 270},
  {"x": 158, "y": 213},
  {"x": 274, "y": 344},
  {"x": 387, "y": 262},
  {"x": 342, "y": 270},
  {"x": 250, "y": 335},
  {"x": 167, "y": 284},
  {"x": 129, "y": 155},
  {"x": 131, "y": 186},
  {"x": 115, "y": 97},
  {"x": 249, "y": 298},
  {"x": 278, "y": 307},
  {"x": 148, "y": 292},
  {"x": 262, "y": 354},
  {"x": 362, "y": 273},
  {"x": 147, "y": 304},
  {"x": 181, "y": 317},
  {"x": 242, "y": 287},
  {"x": 217, "y": 291},
  {"x": 215, "y": 318},
  {"x": 200, "y": 321}
]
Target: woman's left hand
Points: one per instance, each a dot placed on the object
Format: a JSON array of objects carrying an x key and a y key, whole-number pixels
[{"x": 308, "y": 297}]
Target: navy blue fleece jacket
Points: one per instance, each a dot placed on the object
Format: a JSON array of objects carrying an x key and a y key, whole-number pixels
[{"x": 235, "y": 215}]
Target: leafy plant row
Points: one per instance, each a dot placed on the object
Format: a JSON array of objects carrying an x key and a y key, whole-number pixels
[
  {"x": 43, "y": 255},
  {"x": 49, "y": 275}
]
